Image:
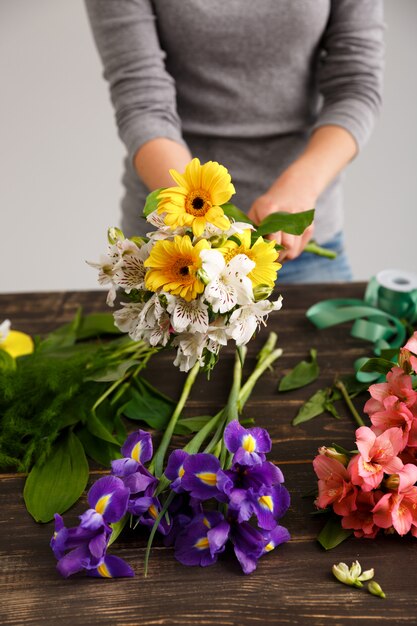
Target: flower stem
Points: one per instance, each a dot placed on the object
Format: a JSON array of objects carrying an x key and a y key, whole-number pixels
[
  {"x": 263, "y": 364},
  {"x": 341, "y": 387},
  {"x": 157, "y": 463},
  {"x": 231, "y": 410}
]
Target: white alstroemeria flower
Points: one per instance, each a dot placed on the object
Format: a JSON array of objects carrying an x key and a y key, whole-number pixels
[
  {"x": 245, "y": 321},
  {"x": 162, "y": 230},
  {"x": 228, "y": 285},
  {"x": 217, "y": 332},
  {"x": 4, "y": 329},
  {"x": 191, "y": 316},
  {"x": 127, "y": 318},
  {"x": 236, "y": 228},
  {"x": 154, "y": 323},
  {"x": 190, "y": 350},
  {"x": 109, "y": 264},
  {"x": 129, "y": 272}
]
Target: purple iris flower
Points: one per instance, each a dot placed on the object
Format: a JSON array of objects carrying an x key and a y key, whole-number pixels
[
  {"x": 249, "y": 445},
  {"x": 147, "y": 508},
  {"x": 175, "y": 469},
  {"x": 202, "y": 540},
  {"x": 248, "y": 545},
  {"x": 112, "y": 567},
  {"x": 138, "y": 446},
  {"x": 268, "y": 504},
  {"x": 275, "y": 537},
  {"x": 255, "y": 477},
  {"x": 203, "y": 477},
  {"x": 84, "y": 546}
]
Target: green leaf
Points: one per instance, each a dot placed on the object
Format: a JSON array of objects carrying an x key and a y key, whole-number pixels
[
  {"x": 55, "y": 485},
  {"x": 188, "y": 425},
  {"x": 148, "y": 405},
  {"x": 117, "y": 528},
  {"x": 63, "y": 336},
  {"x": 95, "y": 325},
  {"x": 303, "y": 374},
  {"x": 97, "y": 428},
  {"x": 151, "y": 203},
  {"x": 100, "y": 451},
  {"x": 230, "y": 210},
  {"x": 293, "y": 223},
  {"x": 333, "y": 534},
  {"x": 353, "y": 386},
  {"x": 113, "y": 372},
  {"x": 316, "y": 405},
  {"x": 379, "y": 365}
]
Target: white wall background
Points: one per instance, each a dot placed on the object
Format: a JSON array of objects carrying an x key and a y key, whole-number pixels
[{"x": 60, "y": 159}]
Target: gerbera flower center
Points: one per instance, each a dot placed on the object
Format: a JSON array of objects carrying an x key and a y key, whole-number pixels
[
  {"x": 232, "y": 252},
  {"x": 198, "y": 202},
  {"x": 182, "y": 267}
]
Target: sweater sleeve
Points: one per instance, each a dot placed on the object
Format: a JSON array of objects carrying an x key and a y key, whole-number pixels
[
  {"x": 351, "y": 67},
  {"x": 142, "y": 91}
]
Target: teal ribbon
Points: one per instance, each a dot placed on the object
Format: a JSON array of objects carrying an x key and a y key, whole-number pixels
[{"x": 375, "y": 319}]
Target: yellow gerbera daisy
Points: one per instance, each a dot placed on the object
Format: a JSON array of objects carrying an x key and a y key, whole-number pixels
[
  {"x": 174, "y": 265},
  {"x": 201, "y": 189},
  {"x": 262, "y": 253}
]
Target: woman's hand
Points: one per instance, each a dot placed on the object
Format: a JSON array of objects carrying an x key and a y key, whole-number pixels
[
  {"x": 291, "y": 192},
  {"x": 328, "y": 151}
]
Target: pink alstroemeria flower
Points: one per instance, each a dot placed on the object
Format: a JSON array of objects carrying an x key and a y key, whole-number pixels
[
  {"x": 378, "y": 454},
  {"x": 399, "y": 385},
  {"x": 398, "y": 509},
  {"x": 408, "y": 354},
  {"x": 395, "y": 415},
  {"x": 334, "y": 485},
  {"x": 361, "y": 520}
]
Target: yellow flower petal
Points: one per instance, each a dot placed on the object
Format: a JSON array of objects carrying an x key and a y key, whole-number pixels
[{"x": 17, "y": 344}]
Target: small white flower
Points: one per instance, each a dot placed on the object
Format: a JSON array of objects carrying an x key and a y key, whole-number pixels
[
  {"x": 129, "y": 272},
  {"x": 245, "y": 320},
  {"x": 4, "y": 330},
  {"x": 127, "y": 318},
  {"x": 162, "y": 230},
  {"x": 217, "y": 332},
  {"x": 191, "y": 316},
  {"x": 227, "y": 285},
  {"x": 190, "y": 350},
  {"x": 352, "y": 576}
]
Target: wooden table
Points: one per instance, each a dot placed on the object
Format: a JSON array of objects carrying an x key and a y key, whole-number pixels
[{"x": 292, "y": 585}]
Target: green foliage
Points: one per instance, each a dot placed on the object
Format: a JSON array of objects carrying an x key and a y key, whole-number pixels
[
  {"x": 231, "y": 211},
  {"x": 333, "y": 534},
  {"x": 64, "y": 401},
  {"x": 302, "y": 374},
  {"x": 55, "y": 484},
  {"x": 151, "y": 203},
  {"x": 293, "y": 223}
]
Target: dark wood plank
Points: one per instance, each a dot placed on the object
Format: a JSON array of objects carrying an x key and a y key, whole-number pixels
[{"x": 293, "y": 584}]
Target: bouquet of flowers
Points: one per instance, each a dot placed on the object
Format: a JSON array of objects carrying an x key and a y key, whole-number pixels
[
  {"x": 200, "y": 278},
  {"x": 374, "y": 489}
]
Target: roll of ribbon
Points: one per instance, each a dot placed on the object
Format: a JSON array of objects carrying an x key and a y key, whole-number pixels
[
  {"x": 395, "y": 292},
  {"x": 390, "y": 301}
]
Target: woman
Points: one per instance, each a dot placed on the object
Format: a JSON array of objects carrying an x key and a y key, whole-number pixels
[{"x": 283, "y": 93}]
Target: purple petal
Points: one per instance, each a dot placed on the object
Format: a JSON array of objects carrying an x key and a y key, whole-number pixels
[
  {"x": 252, "y": 440},
  {"x": 203, "y": 477},
  {"x": 138, "y": 446},
  {"x": 175, "y": 469},
  {"x": 233, "y": 435},
  {"x": 140, "y": 482},
  {"x": 98, "y": 545},
  {"x": 247, "y": 562},
  {"x": 72, "y": 562},
  {"x": 112, "y": 567},
  {"x": 217, "y": 537},
  {"x": 91, "y": 520},
  {"x": 243, "y": 457},
  {"x": 275, "y": 537},
  {"x": 124, "y": 467},
  {"x": 109, "y": 497},
  {"x": 137, "y": 506}
]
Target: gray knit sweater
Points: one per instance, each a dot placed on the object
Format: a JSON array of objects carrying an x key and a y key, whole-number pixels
[{"x": 241, "y": 82}]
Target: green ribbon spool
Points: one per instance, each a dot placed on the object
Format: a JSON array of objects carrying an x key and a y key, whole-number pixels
[{"x": 390, "y": 297}]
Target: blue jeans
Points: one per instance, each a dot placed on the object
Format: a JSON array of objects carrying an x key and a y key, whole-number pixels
[{"x": 310, "y": 268}]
